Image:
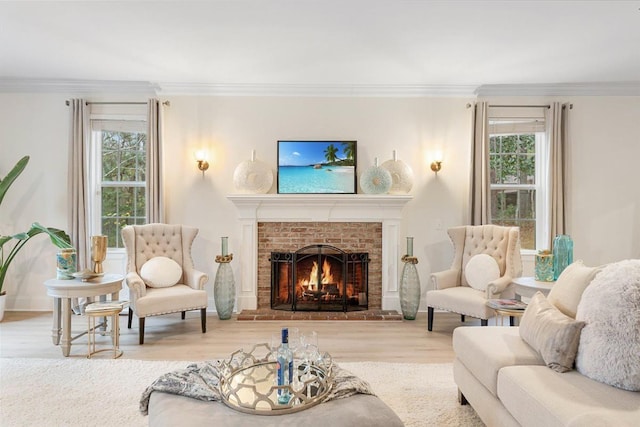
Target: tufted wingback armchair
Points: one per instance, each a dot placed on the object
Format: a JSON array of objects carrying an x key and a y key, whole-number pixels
[
  {"x": 451, "y": 289},
  {"x": 144, "y": 242}
]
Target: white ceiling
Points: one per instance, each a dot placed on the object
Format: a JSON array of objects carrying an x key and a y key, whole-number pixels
[{"x": 262, "y": 44}]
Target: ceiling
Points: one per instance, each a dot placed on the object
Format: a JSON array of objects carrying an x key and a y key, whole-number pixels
[{"x": 268, "y": 45}]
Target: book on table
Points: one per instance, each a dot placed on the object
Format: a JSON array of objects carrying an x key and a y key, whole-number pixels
[{"x": 506, "y": 304}]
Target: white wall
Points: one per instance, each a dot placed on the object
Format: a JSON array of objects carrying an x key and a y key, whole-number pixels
[{"x": 604, "y": 194}]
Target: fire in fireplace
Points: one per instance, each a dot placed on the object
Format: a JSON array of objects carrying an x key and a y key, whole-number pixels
[{"x": 319, "y": 278}]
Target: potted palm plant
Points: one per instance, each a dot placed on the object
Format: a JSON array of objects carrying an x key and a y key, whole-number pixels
[{"x": 11, "y": 245}]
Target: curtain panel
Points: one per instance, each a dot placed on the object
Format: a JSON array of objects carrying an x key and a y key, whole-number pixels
[
  {"x": 155, "y": 188},
  {"x": 479, "y": 194},
  {"x": 77, "y": 182},
  {"x": 557, "y": 132}
]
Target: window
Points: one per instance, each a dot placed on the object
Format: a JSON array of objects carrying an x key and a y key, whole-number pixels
[
  {"x": 118, "y": 176},
  {"x": 518, "y": 183}
]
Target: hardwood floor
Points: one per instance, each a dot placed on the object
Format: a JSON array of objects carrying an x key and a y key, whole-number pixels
[{"x": 28, "y": 334}]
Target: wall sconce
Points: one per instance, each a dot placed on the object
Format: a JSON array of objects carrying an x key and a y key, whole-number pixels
[
  {"x": 201, "y": 160},
  {"x": 436, "y": 164}
]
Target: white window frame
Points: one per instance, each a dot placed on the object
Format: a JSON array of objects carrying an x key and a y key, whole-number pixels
[
  {"x": 541, "y": 187},
  {"x": 95, "y": 170}
]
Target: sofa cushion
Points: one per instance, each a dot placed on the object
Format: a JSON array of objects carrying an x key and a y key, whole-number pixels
[
  {"x": 538, "y": 396},
  {"x": 161, "y": 272},
  {"x": 567, "y": 291},
  {"x": 551, "y": 333},
  {"x": 609, "y": 349},
  {"x": 481, "y": 270},
  {"x": 485, "y": 350}
]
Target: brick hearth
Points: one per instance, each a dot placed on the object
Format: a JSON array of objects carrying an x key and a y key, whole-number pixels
[
  {"x": 268, "y": 314},
  {"x": 348, "y": 236}
]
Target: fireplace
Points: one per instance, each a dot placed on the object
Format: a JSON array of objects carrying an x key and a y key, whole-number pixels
[{"x": 319, "y": 278}]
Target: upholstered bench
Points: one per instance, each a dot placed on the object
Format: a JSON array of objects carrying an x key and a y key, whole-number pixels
[{"x": 168, "y": 410}]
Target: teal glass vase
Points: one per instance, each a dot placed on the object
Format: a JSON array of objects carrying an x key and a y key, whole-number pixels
[{"x": 562, "y": 254}]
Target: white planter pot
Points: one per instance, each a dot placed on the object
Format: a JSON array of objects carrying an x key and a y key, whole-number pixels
[{"x": 3, "y": 301}]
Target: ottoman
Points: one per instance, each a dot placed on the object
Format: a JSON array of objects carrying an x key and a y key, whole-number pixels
[{"x": 169, "y": 410}]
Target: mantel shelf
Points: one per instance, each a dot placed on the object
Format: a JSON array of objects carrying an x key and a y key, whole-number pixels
[{"x": 319, "y": 207}]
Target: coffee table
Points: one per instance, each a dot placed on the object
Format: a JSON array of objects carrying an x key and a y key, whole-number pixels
[{"x": 63, "y": 291}]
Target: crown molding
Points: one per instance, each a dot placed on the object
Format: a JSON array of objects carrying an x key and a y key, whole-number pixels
[
  {"x": 309, "y": 90},
  {"x": 9, "y": 85},
  {"x": 17, "y": 85},
  {"x": 562, "y": 89}
]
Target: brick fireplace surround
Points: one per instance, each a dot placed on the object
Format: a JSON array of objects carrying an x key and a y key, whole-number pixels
[{"x": 280, "y": 222}]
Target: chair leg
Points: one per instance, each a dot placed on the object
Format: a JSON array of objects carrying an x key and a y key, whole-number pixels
[
  {"x": 462, "y": 318},
  {"x": 463, "y": 400},
  {"x": 130, "y": 318},
  {"x": 484, "y": 322},
  {"x": 430, "y": 318},
  {"x": 203, "y": 319},
  {"x": 183, "y": 314},
  {"x": 141, "y": 327}
]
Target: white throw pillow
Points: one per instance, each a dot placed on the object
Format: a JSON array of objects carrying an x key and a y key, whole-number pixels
[
  {"x": 161, "y": 272},
  {"x": 481, "y": 270},
  {"x": 609, "y": 349},
  {"x": 567, "y": 291}
]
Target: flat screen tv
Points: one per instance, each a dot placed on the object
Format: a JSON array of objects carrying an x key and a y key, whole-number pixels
[{"x": 315, "y": 167}]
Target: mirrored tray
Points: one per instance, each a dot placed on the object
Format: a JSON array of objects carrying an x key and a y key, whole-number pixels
[
  {"x": 248, "y": 383},
  {"x": 86, "y": 275}
]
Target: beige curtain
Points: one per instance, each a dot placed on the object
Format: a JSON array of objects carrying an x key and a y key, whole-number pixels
[
  {"x": 155, "y": 197},
  {"x": 77, "y": 184},
  {"x": 480, "y": 200},
  {"x": 558, "y": 136}
]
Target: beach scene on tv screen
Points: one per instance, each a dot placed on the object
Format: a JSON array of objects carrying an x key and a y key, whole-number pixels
[{"x": 316, "y": 166}]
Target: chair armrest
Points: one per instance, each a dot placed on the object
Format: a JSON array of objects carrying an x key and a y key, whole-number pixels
[
  {"x": 446, "y": 279},
  {"x": 197, "y": 279},
  {"x": 495, "y": 288},
  {"x": 136, "y": 285}
]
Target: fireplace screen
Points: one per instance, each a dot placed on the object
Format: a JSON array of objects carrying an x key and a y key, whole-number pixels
[{"x": 319, "y": 278}]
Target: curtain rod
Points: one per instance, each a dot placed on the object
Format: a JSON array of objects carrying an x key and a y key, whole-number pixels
[
  {"x": 469, "y": 105},
  {"x": 167, "y": 103}
]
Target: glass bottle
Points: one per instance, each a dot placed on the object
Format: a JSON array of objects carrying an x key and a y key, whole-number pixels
[
  {"x": 562, "y": 254},
  {"x": 285, "y": 368},
  {"x": 224, "y": 285},
  {"x": 409, "y": 284}
]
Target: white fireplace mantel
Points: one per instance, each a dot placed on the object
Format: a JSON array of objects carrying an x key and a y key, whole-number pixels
[{"x": 254, "y": 208}]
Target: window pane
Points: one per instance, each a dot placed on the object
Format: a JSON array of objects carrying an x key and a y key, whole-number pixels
[
  {"x": 121, "y": 206},
  {"x": 512, "y": 159},
  {"x": 123, "y": 156},
  {"x": 516, "y": 208}
]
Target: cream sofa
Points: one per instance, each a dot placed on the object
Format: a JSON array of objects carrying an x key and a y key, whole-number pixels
[{"x": 507, "y": 382}]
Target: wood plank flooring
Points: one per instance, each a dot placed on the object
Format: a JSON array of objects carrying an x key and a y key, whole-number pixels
[{"x": 28, "y": 334}]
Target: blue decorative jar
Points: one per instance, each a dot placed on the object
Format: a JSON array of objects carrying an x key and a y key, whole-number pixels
[
  {"x": 544, "y": 266},
  {"x": 562, "y": 254}
]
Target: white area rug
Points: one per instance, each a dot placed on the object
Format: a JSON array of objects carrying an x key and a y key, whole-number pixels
[{"x": 81, "y": 392}]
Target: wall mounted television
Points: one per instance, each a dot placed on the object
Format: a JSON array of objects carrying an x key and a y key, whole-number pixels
[{"x": 317, "y": 167}]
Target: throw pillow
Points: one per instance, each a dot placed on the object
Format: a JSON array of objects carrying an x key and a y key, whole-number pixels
[
  {"x": 566, "y": 292},
  {"x": 481, "y": 270},
  {"x": 609, "y": 350},
  {"x": 551, "y": 333},
  {"x": 161, "y": 272}
]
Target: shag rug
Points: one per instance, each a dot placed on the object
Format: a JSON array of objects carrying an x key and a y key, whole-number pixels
[{"x": 98, "y": 392}]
